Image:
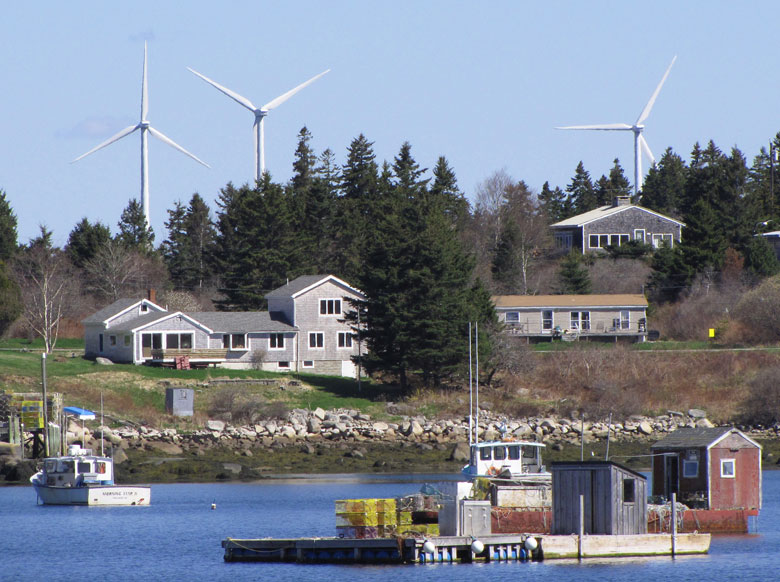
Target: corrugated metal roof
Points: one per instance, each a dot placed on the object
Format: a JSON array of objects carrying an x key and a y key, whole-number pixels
[
  {"x": 565, "y": 301},
  {"x": 684, "y": 438}
]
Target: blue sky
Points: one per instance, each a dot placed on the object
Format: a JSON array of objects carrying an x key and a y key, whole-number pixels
[{"x": 483, "y": 84}]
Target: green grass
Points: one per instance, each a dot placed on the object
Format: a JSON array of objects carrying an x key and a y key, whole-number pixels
[{"x": 37, "y": 344}]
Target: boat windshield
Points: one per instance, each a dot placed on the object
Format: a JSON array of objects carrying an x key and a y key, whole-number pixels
[
  {"x": 484, "y": 454},
  {"x": 65, "y": 467},
  {"x": 85, "y": 467},
  {"x": 514, "y": 452}
]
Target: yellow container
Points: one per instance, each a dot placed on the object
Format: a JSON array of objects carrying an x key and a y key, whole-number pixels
[
  {"x": 386, "y": 518},
  {"x": 356, "y": 519},
  {"x": 404, "y": 518}
]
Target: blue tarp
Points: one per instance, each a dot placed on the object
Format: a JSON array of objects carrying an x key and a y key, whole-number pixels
[{"x": 79, "y": 413}]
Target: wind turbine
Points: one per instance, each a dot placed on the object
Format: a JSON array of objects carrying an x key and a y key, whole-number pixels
[
  {"x": 145, "y": 128},
  {"x": 260, "y": 113},
  {"x": 640, "y": 144}
]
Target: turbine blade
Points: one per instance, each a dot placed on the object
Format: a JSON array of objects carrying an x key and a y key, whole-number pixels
[
  {"x": 109, "y": 141},
  {"x": 604, "y": 127},
  {"x": 144, "y": 92},
  {"x": 649, "y": 106},
  {"x": 282, "y": 98},
  {"x": 174, "y": 145},
  {"x": 646, "y": 148},
  {"x": 232, "y": 94}
]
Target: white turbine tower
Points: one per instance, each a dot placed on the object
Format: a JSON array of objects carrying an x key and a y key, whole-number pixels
[
  {"x": 640, "y": 144},
  {"x": 260, "y": 113},
  {"x": 145, "y": 128}
]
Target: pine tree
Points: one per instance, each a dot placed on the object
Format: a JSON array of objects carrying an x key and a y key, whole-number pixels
[
  {"x": 134, "y": 233},
  {"x": 581, "y": 191},
  {"x": 85, "y": 240},
  {"x": 554, "y": 203},
  {"x": 8, "y": 236},
  {"x": 609, "y": 188},
  {"x": 573, "y": 276},
  {"x": 189, "y": 249},
  {"x": 664, "y": 187},
  {"x": 445, "y": 188},
  {"x": 670, "y": 275}
]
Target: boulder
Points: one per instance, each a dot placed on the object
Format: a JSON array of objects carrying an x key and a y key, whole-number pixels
[
  {"x": 319, "y": 413},
  {"x": 103, "y": 361},
  {"x": 380, "y": 426},
  {"x": 704, "y": 423},
  {"x": 460, "y": 453},
  {"x": 217, "y": 425},
  {"x": 697, "y": 413},
  {"x": 416, "y": 428},
  {"x": 645, "y": 428},
  {"x": 119, "y": 456},
  {"x": 313, "y": 425},
  {"x": 165, "y": 447}
]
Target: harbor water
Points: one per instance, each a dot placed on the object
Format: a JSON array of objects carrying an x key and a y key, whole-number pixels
[{"x": 178, "y": 537}]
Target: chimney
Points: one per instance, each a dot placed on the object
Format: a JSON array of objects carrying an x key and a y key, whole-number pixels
[
  {"x": 621, "y": 201},
  {"x": 151, "y": 295}
]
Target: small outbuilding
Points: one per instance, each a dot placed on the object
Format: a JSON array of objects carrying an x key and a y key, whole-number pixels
[
  {"x": 708, "y": 468},
  {"x": 615, "y": 498}
]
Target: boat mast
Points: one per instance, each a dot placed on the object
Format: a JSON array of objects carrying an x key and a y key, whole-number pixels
[
  {"x": 476, "y": 378},
  {"x": 45, "y": 415},
  {"x": 101, "y": 424},
  {"x": 471, "y": 395}
]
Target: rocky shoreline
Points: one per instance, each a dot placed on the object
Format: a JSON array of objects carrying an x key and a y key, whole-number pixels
[{"x": 347, "y": 440}]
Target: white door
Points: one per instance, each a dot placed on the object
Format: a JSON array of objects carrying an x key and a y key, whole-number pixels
[{"x": 348, "y": 369}]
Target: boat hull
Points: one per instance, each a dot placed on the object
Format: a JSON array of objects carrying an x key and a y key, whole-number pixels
[{"x": 94, "y": 495}]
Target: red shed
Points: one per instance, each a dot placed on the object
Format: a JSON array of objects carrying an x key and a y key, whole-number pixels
[{"x": 708, "y": 468}]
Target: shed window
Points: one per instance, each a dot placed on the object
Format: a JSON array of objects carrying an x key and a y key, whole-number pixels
[
  {"x": 690, "y": 469},
  {"x": 512, "y": 316},
  {"x": 727, "y": 468},
  {"x": 629, "y": 490}
]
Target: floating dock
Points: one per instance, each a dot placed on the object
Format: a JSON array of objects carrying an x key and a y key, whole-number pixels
[{"x": 461, "y": 549}]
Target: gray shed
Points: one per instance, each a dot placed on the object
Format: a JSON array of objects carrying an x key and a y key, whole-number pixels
[{"x": 615, "y": 498}]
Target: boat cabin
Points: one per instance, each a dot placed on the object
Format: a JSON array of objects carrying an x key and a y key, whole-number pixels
[
  {"x": 79, "y": 468},
  {"x": 506, "y": 459}
]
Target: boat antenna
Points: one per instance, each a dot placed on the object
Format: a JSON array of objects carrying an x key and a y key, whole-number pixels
[
  {"x": 476, "y": 378},
  {"x": 471, "y": 394}
]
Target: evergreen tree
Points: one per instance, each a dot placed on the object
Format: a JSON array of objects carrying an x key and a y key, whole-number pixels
[
  {"x": 581, "y": 191},
  {"x": 84, "y": 241},
  {"x": 264, "y": 247},
  {"x": 134, "y": 233},
  {"x": 704, "y": 242},
  {"x": 573, "y": 276},
  {"x": 8, "y": 236},
  {"x": 445, "y": 187},
  {"x": 554, "y": 204},
  {"x": 664, "y": 187},
  {"x": 227, "y": 236},
  {"x": 670, "y": 275},
  {"x": 760, "y": 258},
  {"x": 608, "y": 188},
  {"x": 10, "y": 299},
  {"x": 190, "y": 246}
]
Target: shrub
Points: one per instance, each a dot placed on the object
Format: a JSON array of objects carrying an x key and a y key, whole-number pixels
[{"x": 762, "y": 405}]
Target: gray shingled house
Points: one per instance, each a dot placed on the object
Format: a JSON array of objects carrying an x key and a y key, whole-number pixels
[
  {"x": 615, "y": 225},
  {"x": 303, "y": 329}
]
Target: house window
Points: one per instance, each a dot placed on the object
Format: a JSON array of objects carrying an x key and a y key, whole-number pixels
[
  {"x": 175, "y": 341},
  {"x": 128, "y": 340},
  {"x": 593, "y": 241},
  {"x": 623, "y": 239},
  {"x": 690, "y": 469},
  {"x": 276, "y": 341},
  {"x": 580, "y": 320},
  {"x": 283, "y": 365},
  {"x": 625, "y": 321},
  {"x": 728, "y": 468},
  {"x": 144, "y": 308},
  {"x": 639, "y": 234},
  {"x": 547, "y": 319},
  {"x": 316, "y": 339},
  {"x": 512, "y": 316},
  {"x": 308, "y": 363},
  {"x": 603, "y": 240},
  {"x": 112, "y": 340},
  {"x": 330, "y": 306},
  {"x": 563, "y": 240},
  {"x": 234, "y": 341},
  {"x": 345, "y": 339},
  {"x": 629, "y": 490}
]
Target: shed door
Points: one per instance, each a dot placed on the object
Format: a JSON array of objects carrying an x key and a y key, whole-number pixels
[{"x": 671, "y": 476}]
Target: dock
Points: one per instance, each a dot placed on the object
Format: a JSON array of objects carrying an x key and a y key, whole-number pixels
[{"x": 464, "y": 549}]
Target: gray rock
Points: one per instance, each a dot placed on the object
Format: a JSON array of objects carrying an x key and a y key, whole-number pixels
[
  {"x": 704, "y": 423},
  {"x": 119, "y": 456},
  {"x": 216, "y": 425},
  {"x": 103, "y": 361},
  {"x": 460, "y": 453},
  {"x": 645, "y": 428},
  {"x": 697, "y": 413},
  {"x": 380, "y": 426},
  {"x": 319, "y": 413},
  {"x": 314, "y": 425},
  {"x": 165, "y": 447}
]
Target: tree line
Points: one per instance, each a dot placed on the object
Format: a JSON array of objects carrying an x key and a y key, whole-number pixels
[{"x": 426, "y": 258}]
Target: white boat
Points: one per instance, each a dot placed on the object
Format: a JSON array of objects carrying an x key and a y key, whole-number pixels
[
  {"x": 81, "y": 478},
  {"x": 508, "y": 461}
]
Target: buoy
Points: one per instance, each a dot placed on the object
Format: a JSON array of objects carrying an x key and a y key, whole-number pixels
[
  {"x": 429, "y": 547},
  {"x": 213, "y": 506},
  {"x": 531, "y": 544},
  {"x": 477, "y": 547}
]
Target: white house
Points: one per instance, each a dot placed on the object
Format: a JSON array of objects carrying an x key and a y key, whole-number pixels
[{"x": 303, "y": 329}]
